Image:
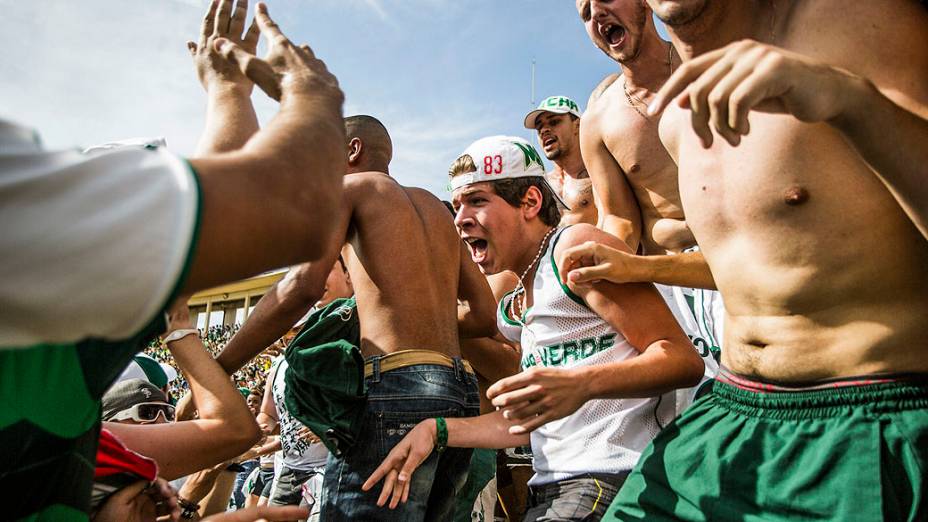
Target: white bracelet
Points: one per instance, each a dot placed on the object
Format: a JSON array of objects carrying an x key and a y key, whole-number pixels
[{"x": 177, "y": 335}]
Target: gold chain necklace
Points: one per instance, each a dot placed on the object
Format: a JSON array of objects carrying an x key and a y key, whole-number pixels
[
  {"x": 519, "y": 292},
  {"x": 632, "y": 98}
]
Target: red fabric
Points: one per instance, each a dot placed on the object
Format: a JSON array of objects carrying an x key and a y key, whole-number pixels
[{"x": 113, "y": 458}]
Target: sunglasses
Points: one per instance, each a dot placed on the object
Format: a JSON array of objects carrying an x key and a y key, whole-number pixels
[{"x": 146, "y": 412}]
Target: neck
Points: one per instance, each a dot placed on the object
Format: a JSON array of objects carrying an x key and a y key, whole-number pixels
[
  {"x": 570, "y": 164},
  {"x": 354, "y": 169},
  {"x": 530, "y": 248},
  {"x": 722, "y": 24},
  {"x": 650, "y": 68}
]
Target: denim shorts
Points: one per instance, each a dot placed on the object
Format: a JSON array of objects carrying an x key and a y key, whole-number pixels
[
  {"x": 580, "y": 498},
  {"x": 397, "y": 401}
]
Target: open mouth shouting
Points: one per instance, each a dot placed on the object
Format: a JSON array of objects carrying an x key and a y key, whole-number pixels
[
  {"x": 613, "y": 34},
  {"x": 548, "y": 142},
  {"x": 478, "y": 249}
]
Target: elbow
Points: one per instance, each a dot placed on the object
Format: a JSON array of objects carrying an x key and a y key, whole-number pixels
[
  {"x": 242, "y": 435},
  {"x": 693, "y": 370}
]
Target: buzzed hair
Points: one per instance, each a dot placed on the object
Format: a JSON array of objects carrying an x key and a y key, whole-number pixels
[{"x": 373, "y": 135}]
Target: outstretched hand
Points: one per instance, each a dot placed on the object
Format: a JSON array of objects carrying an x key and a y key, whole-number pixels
[
  {"x": 223, "y": 21},
  {"x": 286, "y": 69},
  {"x": 722, "y": 86},
  {"x": 401, "y": 462},
  {"x": 592, "y": 262},
  {"x": 537, "y": 396}
]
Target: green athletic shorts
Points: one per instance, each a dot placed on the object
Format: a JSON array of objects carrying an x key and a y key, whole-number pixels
[{"x": 857, "y": 452}]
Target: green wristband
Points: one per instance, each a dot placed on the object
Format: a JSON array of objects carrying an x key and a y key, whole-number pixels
[{"x": 442, "y": 431}]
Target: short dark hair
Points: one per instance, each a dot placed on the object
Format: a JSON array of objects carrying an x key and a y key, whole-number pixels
[{"x": 513, "y": 189}]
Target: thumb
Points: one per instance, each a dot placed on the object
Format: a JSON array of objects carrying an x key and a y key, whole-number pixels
[
  {"x": 192, "y": 47},
  {"x": 590, "y": 274},
  {"x": 256, "y": 69}
]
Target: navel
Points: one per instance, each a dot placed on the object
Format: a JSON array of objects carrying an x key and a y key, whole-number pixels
[
  {"x": 634, "y": 168},
  {"x": 795, "y": 195}
]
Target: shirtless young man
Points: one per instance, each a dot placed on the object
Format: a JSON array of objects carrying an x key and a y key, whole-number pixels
[
  {"x": 801, "y": 153},
  {"x": 407, "y": 266},
  {"x": 557, "y": 122},
  {"x": 634, "y": 179},
  {"x": 596, "y": 364}
]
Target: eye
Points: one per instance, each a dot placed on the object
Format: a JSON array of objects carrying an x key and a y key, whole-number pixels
[{"x": 585, "y": 12}]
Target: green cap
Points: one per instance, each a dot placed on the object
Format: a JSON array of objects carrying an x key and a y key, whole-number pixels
[{"x": 555, "y": 104}]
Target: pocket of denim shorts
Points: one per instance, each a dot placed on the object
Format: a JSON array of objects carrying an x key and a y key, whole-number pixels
[{"x": 393, "y": 426}]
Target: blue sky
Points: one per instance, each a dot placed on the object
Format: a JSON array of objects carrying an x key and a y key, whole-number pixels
[{"x": 438, "y": 73}]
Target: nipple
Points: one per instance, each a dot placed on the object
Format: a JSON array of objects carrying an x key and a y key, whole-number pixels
[{"x": 795, "y": 195}]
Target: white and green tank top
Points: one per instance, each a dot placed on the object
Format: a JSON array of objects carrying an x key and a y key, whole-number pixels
[{"x": 560, "y": 331}]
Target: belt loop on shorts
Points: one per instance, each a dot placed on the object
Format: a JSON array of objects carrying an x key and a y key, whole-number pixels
[
  {"x": 458, "y": 369},
  {"x": 375, "y": 364}
]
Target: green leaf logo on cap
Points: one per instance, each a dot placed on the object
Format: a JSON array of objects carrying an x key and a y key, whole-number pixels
[{"x": 531, "y": 155}]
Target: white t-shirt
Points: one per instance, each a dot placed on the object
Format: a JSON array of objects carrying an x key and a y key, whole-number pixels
[
  {"x": 93, "y": 245},
  {"x": 296, "y": 453},
  {"x": 560, "y": 331}
]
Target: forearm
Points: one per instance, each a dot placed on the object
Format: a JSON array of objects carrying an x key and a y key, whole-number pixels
[
  {"x": 621, "y": 228},
  {"x": 662, "y": 367},
  {"x": 894, "y": 142},
  {"x": 473, "y": 323},
  {"x": 490, "y": 430},
  {"x": 273, "y": 316},
  {"x": 491, "y": 358},
  {"x": 688, "y": 269},
  {"x": 230, "y": 119},
  {"x": 213, "y": 392}
]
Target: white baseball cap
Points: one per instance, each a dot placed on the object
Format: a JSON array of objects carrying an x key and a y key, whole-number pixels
[
  {"x": 555, "y": 104},
  {"x": 503, "y": 157}
]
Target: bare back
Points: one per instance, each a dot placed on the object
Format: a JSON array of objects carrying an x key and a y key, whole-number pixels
[
  {"x": 822, "y": 272},
  {"x": 403, "y": 255},
  {"x": 629, "y": 147}
]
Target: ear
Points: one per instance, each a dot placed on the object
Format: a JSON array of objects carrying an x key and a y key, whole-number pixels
[
  {"x": 531, "y": 203},
  {"x": 576, "y": 122},
  {"x": 355, "y": 148}
]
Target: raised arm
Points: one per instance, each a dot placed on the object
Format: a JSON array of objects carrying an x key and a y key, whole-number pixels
[
  {"x": 230, "y": 116},
  {"x": 294, "y": 166},
  {"x": 875, "y": 95},
  {"x": 225, "y": 427},
  {"x": 277, "y": 311},
  {"x": 619, "y": 213}
]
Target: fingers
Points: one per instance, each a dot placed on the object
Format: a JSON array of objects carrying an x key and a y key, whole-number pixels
[
  {"x": 698, "y": 92},
  {"x": 531, "y": 392},
  {"x": 192, "y": 47},
  {"x": 209, "y": 21},
  {"x": 507, "y": 384},
  {"x": 223, "y": 18},
  {"x": 269, "y": 28},
  {"x": 590, "y": 274},
  {"x": 530, "y": 425},
  {"x": 237, "y": 23},
  {"x": 250, "y": 40},
  {"x": 255, "y": 69},
  {"x": 382, "y": 470},
  {"x": 388, "y": 484},
  {"x": 678, "y": 82}
]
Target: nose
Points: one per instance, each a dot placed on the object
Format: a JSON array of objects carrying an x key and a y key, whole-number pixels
[
  {"x": 463, "y": 218},
  {"x": 596, "y": 9}
]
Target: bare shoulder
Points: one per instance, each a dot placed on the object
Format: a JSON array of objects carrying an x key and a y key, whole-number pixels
[
  {"x": 427, "y": 202},
  {"x": 581, "y": 233},
  {"x": 600, "y": 89},
  {"x": 881, "y": 41}
]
